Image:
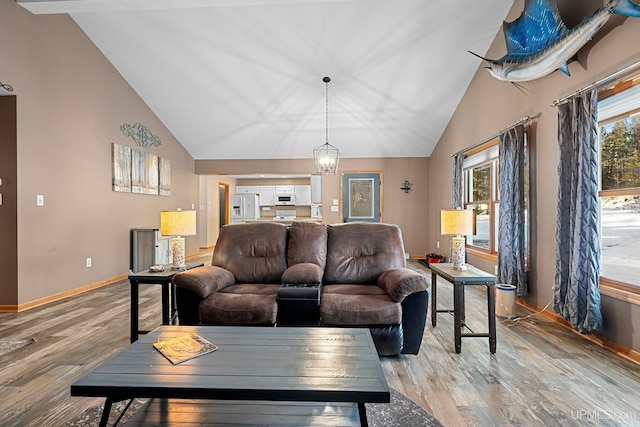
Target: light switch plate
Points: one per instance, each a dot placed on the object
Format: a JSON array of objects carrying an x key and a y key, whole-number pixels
[{"x": 39, "y": 200}]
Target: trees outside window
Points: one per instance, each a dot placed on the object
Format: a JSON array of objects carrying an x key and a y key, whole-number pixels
[{"x": 620, "y": 195}]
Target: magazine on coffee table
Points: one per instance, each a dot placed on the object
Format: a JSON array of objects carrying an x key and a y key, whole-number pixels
[{"x": 184, "y": 347}]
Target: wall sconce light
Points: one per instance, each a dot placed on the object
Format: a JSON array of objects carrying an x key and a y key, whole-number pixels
[{"x": 406, "y": 186}]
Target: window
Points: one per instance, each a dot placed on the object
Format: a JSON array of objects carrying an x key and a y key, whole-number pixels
[
  {"x": 480, "y": 171},
  {"x": 481, "y": 193},
  {"x": 619, "y": 126}
]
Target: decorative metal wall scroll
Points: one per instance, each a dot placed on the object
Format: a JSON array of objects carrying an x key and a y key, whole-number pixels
[
  {"x": 6, "y": 87},
  {"x": 141, "y": 135}
]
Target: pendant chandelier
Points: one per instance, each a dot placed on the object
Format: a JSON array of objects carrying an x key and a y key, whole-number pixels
[{"x": 326, "y": 156}]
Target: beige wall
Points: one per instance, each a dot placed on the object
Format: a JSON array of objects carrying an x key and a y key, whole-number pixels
[
  {"x": 70, "y": 105},
  {"x": 409, "y": 211},
  {"x": 209, "y": 207},
  {"x": 490, "y": 105}
]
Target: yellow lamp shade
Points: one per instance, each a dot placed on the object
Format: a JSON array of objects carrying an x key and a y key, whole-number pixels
[
  {"x": 178, "y": 223},
  {"x": 457, "y": 222}
]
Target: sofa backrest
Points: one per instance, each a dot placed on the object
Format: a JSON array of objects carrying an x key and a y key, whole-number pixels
[
  {"x": 254, "y": 252},
  {"x": 359, "y": 252},
  {"x": 307, "y": 243}
]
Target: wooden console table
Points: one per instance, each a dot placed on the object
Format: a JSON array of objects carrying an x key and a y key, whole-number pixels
[{"x": 459, "y": 279}]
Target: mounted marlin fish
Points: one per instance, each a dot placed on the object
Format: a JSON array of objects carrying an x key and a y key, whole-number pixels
[{"x": 538, "y": 42}]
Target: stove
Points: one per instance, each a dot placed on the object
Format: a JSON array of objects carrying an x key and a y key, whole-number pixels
[{"x": 285, "y": 214}]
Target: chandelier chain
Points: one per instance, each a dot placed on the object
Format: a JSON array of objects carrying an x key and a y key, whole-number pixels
[
  {"x": 326, "y": 110},
  {"x": 326, "y": 156}
]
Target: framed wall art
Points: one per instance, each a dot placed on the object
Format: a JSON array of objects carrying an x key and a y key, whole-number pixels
[{"x": 139, "y": 172}]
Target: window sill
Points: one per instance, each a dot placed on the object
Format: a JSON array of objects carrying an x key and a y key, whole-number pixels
[
  {"x": 482, "y": 254},
  {"x": 621, "y": 291}
]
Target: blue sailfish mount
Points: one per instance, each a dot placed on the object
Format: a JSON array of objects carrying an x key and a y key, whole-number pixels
[
  {"x": 538, "y": 42},
  {"x": 141, "y": 135}
]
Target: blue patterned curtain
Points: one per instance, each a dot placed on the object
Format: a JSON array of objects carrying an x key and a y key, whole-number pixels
[
  {"x": 576, "y": 295},
  {"x": 457, "y": 199},
  {"x": 457, "y": 188},
  {"x": 511, "y": 221}
]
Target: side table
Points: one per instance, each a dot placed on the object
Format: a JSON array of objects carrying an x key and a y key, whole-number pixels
[
  {"x": 162, "y": 278},
  {"x": 459, "y": 279}
]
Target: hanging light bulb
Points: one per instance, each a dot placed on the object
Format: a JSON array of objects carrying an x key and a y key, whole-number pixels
[{"x": 326, "y": 156}]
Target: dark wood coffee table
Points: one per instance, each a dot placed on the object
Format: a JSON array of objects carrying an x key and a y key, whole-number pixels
[{"x": 251, "y": 364}]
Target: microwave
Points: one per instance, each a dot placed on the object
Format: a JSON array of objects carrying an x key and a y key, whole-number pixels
[{"x": 285, "y": 199}]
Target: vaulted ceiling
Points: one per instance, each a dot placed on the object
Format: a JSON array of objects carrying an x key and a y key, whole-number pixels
[{"x": 242, "y": 79}]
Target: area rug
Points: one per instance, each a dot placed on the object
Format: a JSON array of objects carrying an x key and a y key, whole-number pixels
[
  {"x": 400, "y": 412},
  {"x": 9, "y": 346}
]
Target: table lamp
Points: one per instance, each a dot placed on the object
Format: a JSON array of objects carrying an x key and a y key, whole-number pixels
[
  {"x": 178, "y": 223},
  {"x": 457, "y": 222}
]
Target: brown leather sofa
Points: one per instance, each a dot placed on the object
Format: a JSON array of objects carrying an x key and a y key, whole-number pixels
[{"x": 359, "y": 268}]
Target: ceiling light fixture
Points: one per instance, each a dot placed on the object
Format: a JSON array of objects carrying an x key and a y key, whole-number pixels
[{"x": 326, "y": 156}]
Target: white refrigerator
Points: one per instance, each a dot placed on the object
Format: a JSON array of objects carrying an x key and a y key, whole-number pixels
[{"x": 244, "y": 207}]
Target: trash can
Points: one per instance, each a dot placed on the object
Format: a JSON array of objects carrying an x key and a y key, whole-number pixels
[{"x": 505, "y": 300}]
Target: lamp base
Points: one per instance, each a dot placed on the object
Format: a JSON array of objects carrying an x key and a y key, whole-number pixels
[
  {"x": 458, "y": 253},
  {"x": 177, "y": 249}
]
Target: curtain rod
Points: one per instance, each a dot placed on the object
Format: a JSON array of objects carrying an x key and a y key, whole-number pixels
[
  {"x": 595, "y": 84},
  {"x": 519, "y": 122}
]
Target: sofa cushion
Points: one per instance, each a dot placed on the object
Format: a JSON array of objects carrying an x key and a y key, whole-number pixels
[
  {"x": 304, "y": 273},
  {"x": 307, "y": 243},
  {"x": 357, "y": 305},
  {"x": 243, "y": 304},
  {"x": 252, "y": 252},
  {"x": 400, "y": 282},
  {"x": 360, "y": 252}
]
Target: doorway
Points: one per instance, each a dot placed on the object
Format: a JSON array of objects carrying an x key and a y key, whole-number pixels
[
  {"x": 362, "y": 196},
  {"x": 224, "y": 203}
]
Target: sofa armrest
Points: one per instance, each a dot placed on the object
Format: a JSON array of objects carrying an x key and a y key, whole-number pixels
[
  {"x": 303, "y": 273},
  {"x": 203, "y": 281},
  {"x": 400, "y": 282}
]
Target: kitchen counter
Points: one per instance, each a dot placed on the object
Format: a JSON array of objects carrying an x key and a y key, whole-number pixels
[{"x": 286, "y": 221}]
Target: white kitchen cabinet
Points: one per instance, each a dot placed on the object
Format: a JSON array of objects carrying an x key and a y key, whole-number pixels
[
  {"x": 267, "y": 195},
  {"x": 303, "y": 195},
  {"x": 247, "y": 189},
  {"x": 316, "y": 188},
  {"x": 285, "y": 189}
]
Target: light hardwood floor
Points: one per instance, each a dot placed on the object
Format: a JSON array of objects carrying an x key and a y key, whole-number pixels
[{"x": 541, "y": 375}]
